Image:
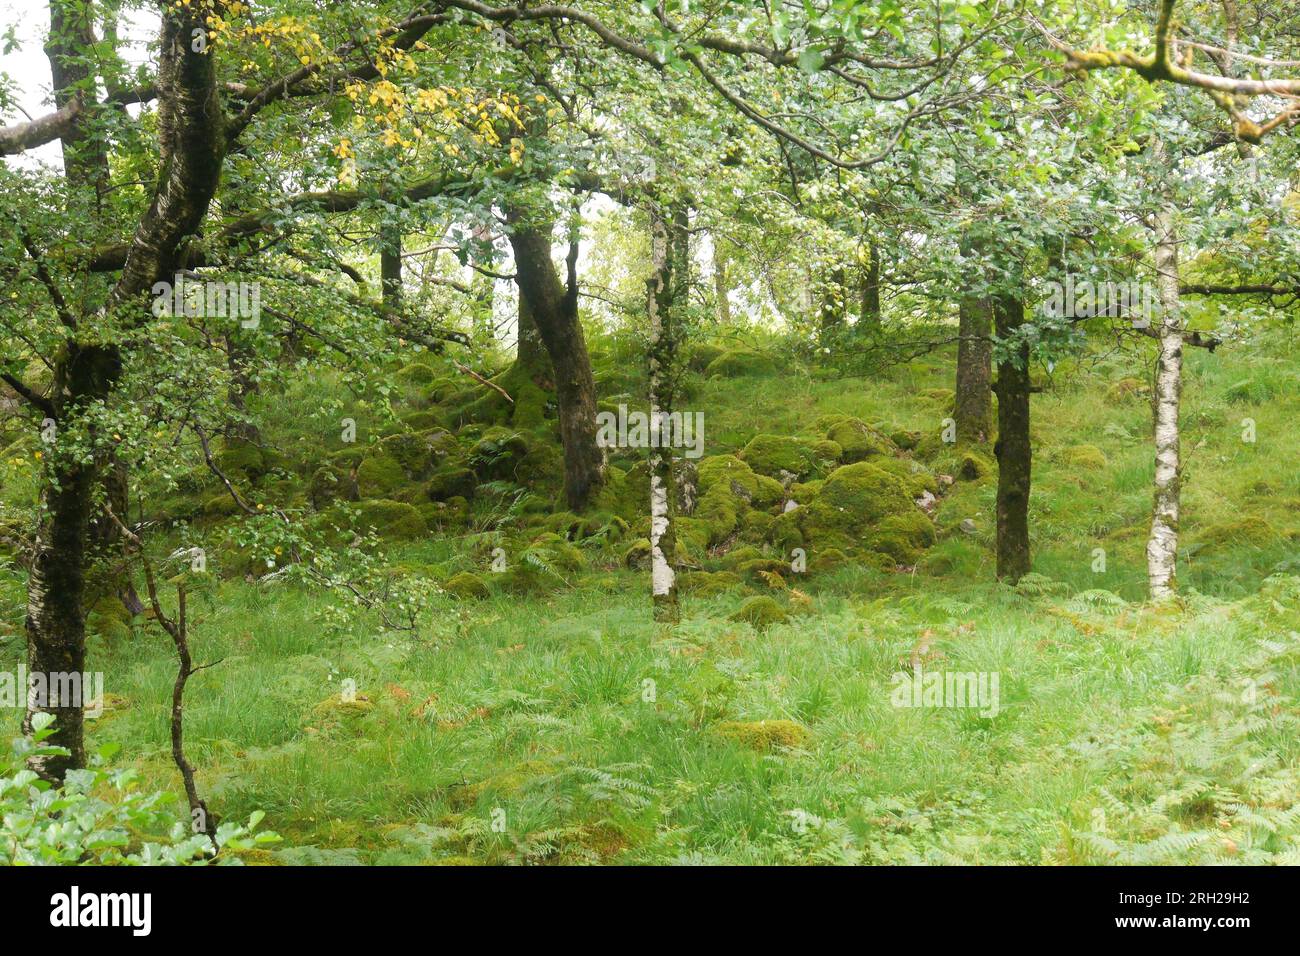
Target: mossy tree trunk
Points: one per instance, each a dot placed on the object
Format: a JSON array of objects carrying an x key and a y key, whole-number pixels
[
  {"x": 1012, "y": 447},
  {"x": 973, "y": 406},
  {"x": 669, "y": 255},
  {"x": 1162, "y": 544},
  {"x": 870, "y": 317},
  {"x": 721, "y": 283},
  {"x": 553, "y": 306},
  {"x": 56, "y": 584},
  {"x": 191, "y": 135},
  {"x": 390, "y": 265}
]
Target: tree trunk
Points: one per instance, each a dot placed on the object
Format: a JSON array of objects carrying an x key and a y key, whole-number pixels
[
  {"x": 1012, "y": 447},
  {"x": 871, "y": 290},
  {"x": 669, "y": 254},
  {"x": 721, "y": 286},
  {"x": 390, "y": 265},
  {"x": 554, "y": 308},
  {"x": 1162, "y": 545},
  {"x": 56, "y": 585},
  {"x": 192, "y": 148},
  {"x": 973, "y": 408}
]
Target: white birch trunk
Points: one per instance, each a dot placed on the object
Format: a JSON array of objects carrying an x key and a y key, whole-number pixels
[
  {"x": 1162, "y": 545},
  {"x": 663, "y": 577}
]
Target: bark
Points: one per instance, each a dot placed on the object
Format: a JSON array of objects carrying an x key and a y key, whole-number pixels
[
  {"x": 390, "y": 265},
  {"x": 56, "y": 584},
  {"x": 1162, "y": 545},
  {"x": 721, "y": 286},
  {"x": 553, "y": 306},
  {"x": 192, "y": 148},
  {"x": 1012, "y": 447},
  {"x": 871, "y": 290},
  {"x": 669, "y": 257},
  {"x": 973, "y": 408},
  {"x": 68, "y": 48}
]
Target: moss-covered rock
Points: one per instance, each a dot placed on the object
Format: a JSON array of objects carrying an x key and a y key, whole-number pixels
[
  {"x": 708, "y": 583},
  {"x": 637, "y": 555},
  {"x": 763, "y": 735},
  {"x": 768, "y": 492},
  {"x": 728, "y": 470},
  {"x": 497, "y": 454},
  {"x": 859, "y": 441},
  {"x": 701, "y": 356},
  {"x": 451, "y": 482},
  {"x": 736, "y": 363},
  {"x": 864, "y": 507},
  {"x": 109, "y": 618},
  {"x": 396, "y": 520},
  {"x": 1251, "y": 531},
  {"x": 760, "y": 613},
  {"x": 720, "y": 509},
  {"x": 379, "y": 476},
  {"x": 467, "y": 586},
  {"x": 773, "y": 455},
  {"x": 1126, "y": 390}
]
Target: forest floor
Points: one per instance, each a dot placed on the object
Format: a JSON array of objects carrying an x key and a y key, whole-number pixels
[{"x": 565, "y": 727}]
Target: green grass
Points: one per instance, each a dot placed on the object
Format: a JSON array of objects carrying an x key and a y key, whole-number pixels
[{"x": 567, "y": 728}]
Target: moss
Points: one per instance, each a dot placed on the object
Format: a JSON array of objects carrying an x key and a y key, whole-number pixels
[
  {"x": 637, "y": 555},
  {"x": 720, "y": 510},
  {"x": 422, "y": 421},
  {"x": 467, "y": 585},
  {"x": 220, "y": 506},
  {"x": 915, "y": 475},
  {"x": 1251, "y": 531},
  {"x": 763, "y": 735},
  {"x": 859, "y": 441},
  {"x": 329, "y": 485},
  {"x": 965, "y": 464},
  {"x": 773, "y": 454},
  {"x": 702, "y": 356},
  {"x": 452, "y": 513},
  {"x": 804, "y": 492},
  {"x": 452, "y": 482},
  {"x": 379, "y": 476},
  {"x": 756, "y": 525},
  {"x": 391, "y": 519},
  {"x": 692, "y": 537},
  {"x": 625, "y": 493},
  {"x": 1088, "y": 457},
  {"x": 736, "y": 363},
  {"x": 945, "y": 397},
  {"x": 768, "y": 492},
  {"x": 244, "y": 459},
  {"x": 417, "y": 373},
  {"x": 759, "y": 566},
  {"x": 862, "y": 506},
  {"x": 109, "y": 618},
  {"x": 828, "y": 451},
  {"x": 906, "y": 440},
  {"x": 708, "y": 583},
  {"x": 828, "y": 559},
  {"x": 727, "y": 469},
  {"x": 760, "y": 613},
  {"x": 498, "y": 453},
  {"x": 786, "y": 531}
]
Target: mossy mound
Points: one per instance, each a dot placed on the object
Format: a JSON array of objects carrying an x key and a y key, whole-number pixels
[
  {"x": 497, "y": 454},
  {"x": 863, "y": 507},
  {"x": 396, "y": 520},
  {"x": 760, "y": 613},
  {"x": 452, "y": 482},
  {"x": 727, "y": 469},
  {"x": 735, "y": 363},
  {"x": 708, "y": 583},
  {"x": 1251, "y": 532},
  {"x": 467, "y": 585},
  {"x": 1088, "y": 457},
  {"x": 109, "y": 618},
  {"x": 859, "y": 441},
  {"x": 701, "y": 356},
  {"x": 379, "y": 476},
  {"x": 779, "y": 456},
  {"x": 965, "y": 464},
  {"x": 763, "y": 735}
]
